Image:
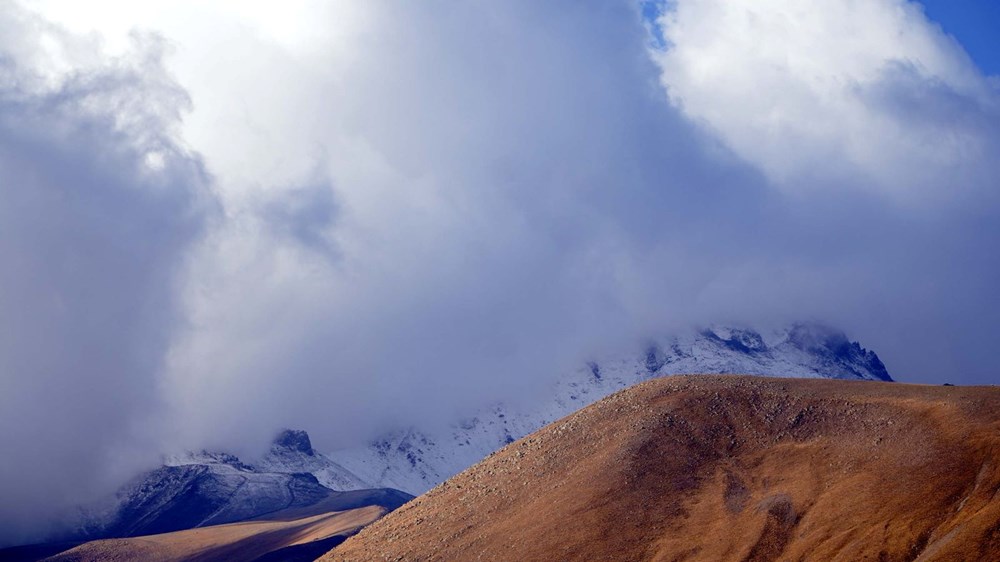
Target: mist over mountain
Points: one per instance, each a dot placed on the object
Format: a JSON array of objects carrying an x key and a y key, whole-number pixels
[{"x": 218, "y": 220}]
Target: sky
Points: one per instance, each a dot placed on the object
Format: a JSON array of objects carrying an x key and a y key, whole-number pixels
[
  {"x": 222, "y": 218},
  {"x": 973, "y": 23}
]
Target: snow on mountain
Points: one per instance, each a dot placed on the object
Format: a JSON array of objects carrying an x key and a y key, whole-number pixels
[
  {"x": 292, "y": 452},
  {"x": 417, "y": 459},
  {"x": 210, "y": 488},
  {"x": 206, "y": 488}
]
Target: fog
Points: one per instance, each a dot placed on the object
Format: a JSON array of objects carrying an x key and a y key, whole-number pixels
[{"x": 219, "y": 220}]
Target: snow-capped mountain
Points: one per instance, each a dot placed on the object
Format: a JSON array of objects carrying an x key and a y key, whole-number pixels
[
  {"x": 417, "y": 459},
  {"x": 209, "y": 488}
]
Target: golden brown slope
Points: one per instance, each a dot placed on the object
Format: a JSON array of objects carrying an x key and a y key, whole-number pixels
[
  {"x": 725, "y": 468},
  {"x": 235, "y": 541}
]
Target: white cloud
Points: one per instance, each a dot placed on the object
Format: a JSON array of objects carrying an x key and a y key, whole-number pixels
[
  {"x": 834, "y": 94},
  {"x": 91, "y": 239}
]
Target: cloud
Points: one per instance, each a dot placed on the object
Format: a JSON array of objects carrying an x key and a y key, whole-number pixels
[
  {"x": 482, "y": 228},
  {"x": 849, "y": 93},
  {"x": 345, "y": 216},
  {"x": 878, "y": 129},
  {"x": 99, "y": 207},
  {"x": 514, "y": 191}
]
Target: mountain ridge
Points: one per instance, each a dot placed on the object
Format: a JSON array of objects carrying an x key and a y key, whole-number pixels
[
  {"x": 204, "y": 488},
  {"x": 416, "y": 459}
]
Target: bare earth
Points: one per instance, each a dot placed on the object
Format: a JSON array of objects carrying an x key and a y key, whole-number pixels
[
  {"x": 235, "y": 541},
  {"x": 712, "y": 468}
]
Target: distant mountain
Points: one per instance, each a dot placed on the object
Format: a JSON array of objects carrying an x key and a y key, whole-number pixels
[
  {"x": 417, "y": 459},
  {"x": 213, "y": 488},
  {"x": 709, "y": 468}
]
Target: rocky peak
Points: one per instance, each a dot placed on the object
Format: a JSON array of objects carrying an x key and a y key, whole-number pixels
[
  {"x": 740, "y": 340},
  {"x": 294, "y": 440},
  {"x": 835, "y": 347}
]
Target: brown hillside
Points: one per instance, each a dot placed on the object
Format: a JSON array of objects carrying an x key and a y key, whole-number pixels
[
  {"x": 709, "y": 468},
  {"x": 235, "y": 541}
]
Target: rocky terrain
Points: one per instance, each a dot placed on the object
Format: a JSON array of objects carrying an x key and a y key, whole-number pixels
[{"x": 717, "y": 468}]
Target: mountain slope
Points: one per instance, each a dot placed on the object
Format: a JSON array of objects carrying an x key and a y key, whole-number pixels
[
  {"x": 214, "y": 488},
  {"x": 417, "y": 459},
  {"x": 725, "y": 468}
]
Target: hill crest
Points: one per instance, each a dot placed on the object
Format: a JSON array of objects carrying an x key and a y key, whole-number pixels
[{"x": 725, "y": 468}]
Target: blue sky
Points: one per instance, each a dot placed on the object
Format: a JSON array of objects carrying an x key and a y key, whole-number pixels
[{"x": 975, "y": 24}]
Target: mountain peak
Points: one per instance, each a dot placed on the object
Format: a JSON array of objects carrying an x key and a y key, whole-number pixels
[
  {"x": 835, "y": 346},
  {"x": 294, "y": 440}
]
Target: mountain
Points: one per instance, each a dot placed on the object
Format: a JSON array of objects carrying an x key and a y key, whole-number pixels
[
  {"x": 214, "y": 488},
  {"x": 292, "y": 452},
  {"x": 709, "y": 468},
  {"x": 416, "y": 459}
]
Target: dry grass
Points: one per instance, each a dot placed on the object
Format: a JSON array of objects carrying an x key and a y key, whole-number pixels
[{"x": 710, "y": 468}]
